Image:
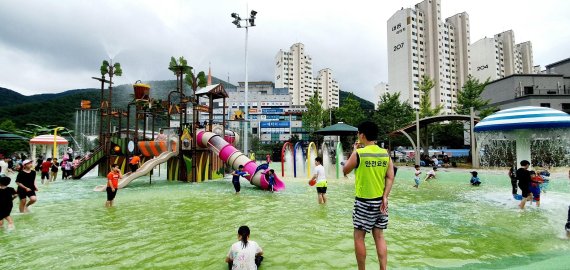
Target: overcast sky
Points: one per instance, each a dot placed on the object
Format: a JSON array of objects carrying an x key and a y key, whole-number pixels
[{"x": 51, "y": 46}]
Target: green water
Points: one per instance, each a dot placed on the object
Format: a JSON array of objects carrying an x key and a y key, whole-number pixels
[{"x": 444, "y": 224}]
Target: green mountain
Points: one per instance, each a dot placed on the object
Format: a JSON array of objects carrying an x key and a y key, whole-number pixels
[
  {"x": 364, "y": 104},
  {"x": 59, "y": 109}
]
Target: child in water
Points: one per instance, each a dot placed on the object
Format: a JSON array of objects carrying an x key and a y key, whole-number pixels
[
  {"x": 535, "y": 181},
  {"x": 244, "y": 254},
  {"x": 417, "y": 176},
  {"x": 7, "y": 196},
  {"x": 431, "y": 174},
  {"x": 270, "y": 175},
  {"x": 475, "y": 179}
]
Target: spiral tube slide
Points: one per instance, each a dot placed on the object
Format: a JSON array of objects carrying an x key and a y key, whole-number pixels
[{"x": 234, "y": 158}]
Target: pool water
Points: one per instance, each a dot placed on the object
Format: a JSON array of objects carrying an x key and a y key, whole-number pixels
[{"x": 444, "y": 224}]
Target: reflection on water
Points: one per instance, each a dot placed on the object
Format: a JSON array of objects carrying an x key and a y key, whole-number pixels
[{"x": 446, "y": 223}]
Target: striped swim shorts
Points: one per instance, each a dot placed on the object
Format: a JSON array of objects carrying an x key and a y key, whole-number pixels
[{"x": 366, "y": 214}]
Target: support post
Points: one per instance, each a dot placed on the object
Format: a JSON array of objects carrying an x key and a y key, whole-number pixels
[
  {"x": 417, "y": 148},
  {"x": 474, "y": 151}
]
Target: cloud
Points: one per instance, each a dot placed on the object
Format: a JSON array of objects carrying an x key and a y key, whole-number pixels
[{"x": 49, "y": 46}]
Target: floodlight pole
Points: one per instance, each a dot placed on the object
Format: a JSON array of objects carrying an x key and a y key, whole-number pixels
[{"x": 249, "y": 22}]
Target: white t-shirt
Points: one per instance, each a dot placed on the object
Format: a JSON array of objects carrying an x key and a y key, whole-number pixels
[
  {"x": 244, "y": 258},
  {"x": 3, "y": 167},
  {"x": 418, "y": 172},
  {"x": 320, "y": 172},
  {"x": 431, "y": 172}
]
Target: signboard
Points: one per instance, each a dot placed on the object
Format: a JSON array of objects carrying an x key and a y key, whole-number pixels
[
  {"x": 274, "y": 124},
  {"x": 272, "y": 111},
  {"x": 275, "y": 103},
  {"x": 253, "y": 111}
]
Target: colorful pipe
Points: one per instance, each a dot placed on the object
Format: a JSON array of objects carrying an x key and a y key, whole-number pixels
[
  {"x": 298, "y": 145},
  {"x": 234, "y": 158},
  {"x": 285, "y": 146},
  {"x": 309, "y": 158},
  {"x": 338, "y": 159}
]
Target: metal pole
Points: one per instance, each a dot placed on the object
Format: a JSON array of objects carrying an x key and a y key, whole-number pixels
[
  {"x": 246, "y": 131},
  {"x": 474, "y": 152},
  {"x": 417, "y": 137}
]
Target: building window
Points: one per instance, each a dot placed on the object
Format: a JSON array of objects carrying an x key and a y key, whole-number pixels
[{"x": 546, "y": 105}]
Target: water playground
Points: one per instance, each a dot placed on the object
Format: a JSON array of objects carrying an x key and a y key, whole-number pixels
[{"x": 187, "y": 217}]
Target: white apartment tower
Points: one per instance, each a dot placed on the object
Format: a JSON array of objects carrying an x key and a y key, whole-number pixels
[
  {"x": 525, "y": 54},
  {"x": 420, "y": 43},
  {"x": 327, "y": 88},
  {"x": 498, "y": 57},
  {"x": 379, "y": 90},
  {"x": 294, "y": 70}
]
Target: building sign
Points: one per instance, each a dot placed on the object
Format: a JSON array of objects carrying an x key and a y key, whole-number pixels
[
  {"x": 273, "y": 103},
  {"x": 274, "y": 124},
  {"x": 272, "y": 111},
  {"x": 253, "y": 111},
  {"x": 270, "y": 117}
]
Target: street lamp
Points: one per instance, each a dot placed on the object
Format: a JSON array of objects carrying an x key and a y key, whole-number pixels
[{"x": 249, "y": 22}]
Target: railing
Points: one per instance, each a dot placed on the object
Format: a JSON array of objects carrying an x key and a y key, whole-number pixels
[
  {"x": 87, "y": 162},
  {"x": 530, "y": 91}
]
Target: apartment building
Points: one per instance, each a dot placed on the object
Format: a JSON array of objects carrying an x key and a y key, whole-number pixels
[
  {"x": 294, "y": 70},
  {"x": 421, "y": 44}
]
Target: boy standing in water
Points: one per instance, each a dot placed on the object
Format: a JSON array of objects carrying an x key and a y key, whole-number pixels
[
  {"x": 523, "y": 176},
  {"x": 235, "y": 179},
  {"x": 373, "y": 183},
  {"x": 112, "y": 184},
  {"x": 321, "y": 180},
  {"x": 417, "y": 176},
  {"x": 271, "y": 179},
  {"x": 475, "y": 179},
  {"x": 7, "y": 196}
]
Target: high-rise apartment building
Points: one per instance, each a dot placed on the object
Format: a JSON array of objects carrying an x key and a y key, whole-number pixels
[
  {"x": 421, "y": 44},
  {"x": 498, "y": 57},
  {"x": 327, "y": 88},
  {"x": 379, "y": 90},
  {"x": 294, "y": 70},
  {"x": 525, "y": 54}
]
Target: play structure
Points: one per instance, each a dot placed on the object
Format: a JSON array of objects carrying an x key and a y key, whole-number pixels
[
  {"x": 123, "y": 134},
  {"x": 536, "y": 134}
]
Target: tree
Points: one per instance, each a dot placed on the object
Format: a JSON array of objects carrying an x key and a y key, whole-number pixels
[
  {"x": 8, "y": 125},
  {"x": 314, "y": 117},
  {"x": 426, "y": 110},
  {"x": 470, "y": 96},
  {"x": 350, "y": 112},
  {"x": 392, "y": 114}
]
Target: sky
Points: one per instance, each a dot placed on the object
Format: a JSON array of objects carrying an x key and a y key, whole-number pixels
[{"x": 52, "y": 46}]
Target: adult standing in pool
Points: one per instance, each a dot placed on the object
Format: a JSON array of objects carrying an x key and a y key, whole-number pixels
[{"x": 374, "y": 178}]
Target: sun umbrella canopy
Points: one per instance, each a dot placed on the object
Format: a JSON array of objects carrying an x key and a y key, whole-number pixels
[
  {"x": 525, "y": 117},
  {"x": 4, "y": 135},
  {"x": 47, "y": 139},
  {"x": 338, "y": 129}
]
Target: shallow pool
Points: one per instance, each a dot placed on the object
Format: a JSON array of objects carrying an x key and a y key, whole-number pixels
[{"x": 444, "y": 224}]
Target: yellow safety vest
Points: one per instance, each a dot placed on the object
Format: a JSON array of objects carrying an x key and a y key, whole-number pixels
[{"x": 371, "y": 172}]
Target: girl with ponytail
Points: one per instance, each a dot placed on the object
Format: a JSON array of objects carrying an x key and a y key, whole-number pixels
[{"x": 244, "y": 254}]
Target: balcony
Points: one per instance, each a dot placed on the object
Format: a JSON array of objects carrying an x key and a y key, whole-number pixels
[{"x": 531, "y": 91}]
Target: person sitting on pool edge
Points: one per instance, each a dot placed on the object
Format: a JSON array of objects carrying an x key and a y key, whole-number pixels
[{"x": 244, "y": 254}]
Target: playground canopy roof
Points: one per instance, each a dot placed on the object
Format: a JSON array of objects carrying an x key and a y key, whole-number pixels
[
  {"x": 338, "y": 129},
  {"x": 429, "y": 120},
  {"x": 215, "y": 91},
  {"x": 47, "y": 139},
  {"x": 5, "y": 135},
  {"x": 525, "y": 117}
]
